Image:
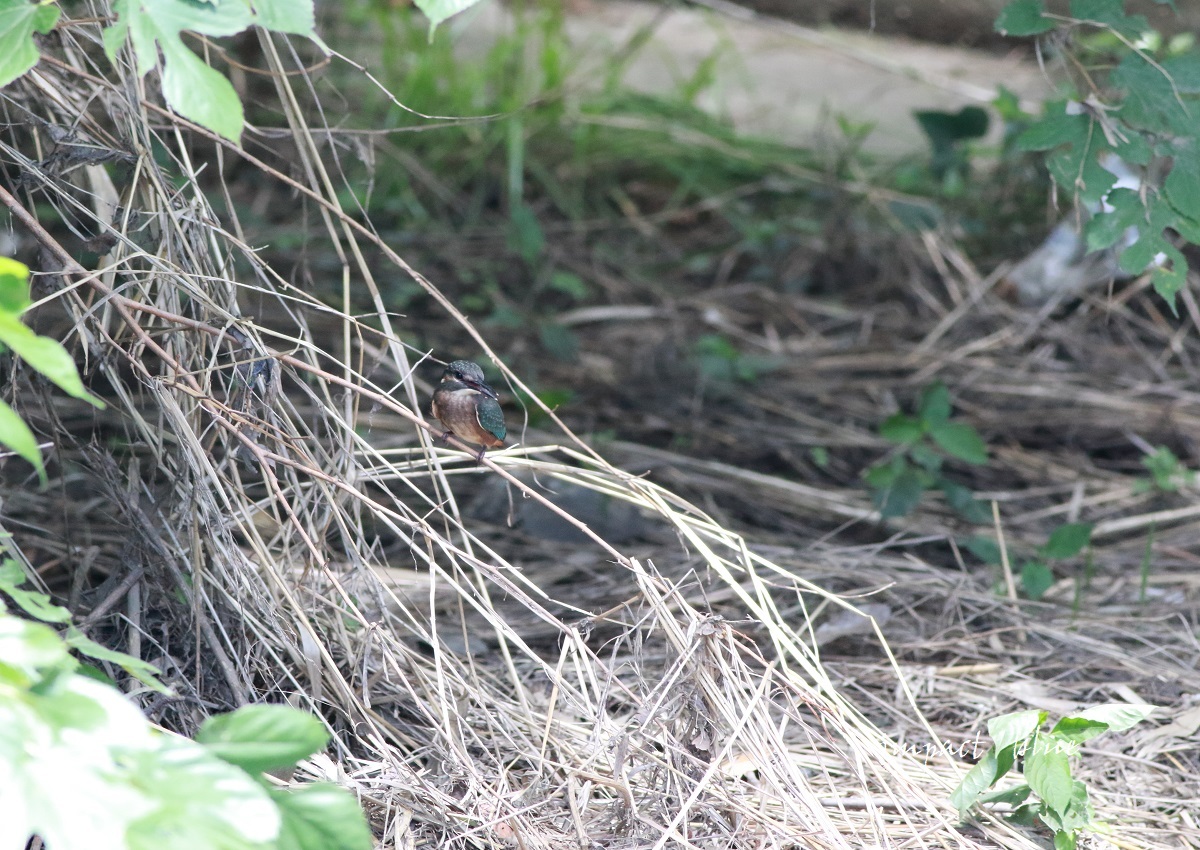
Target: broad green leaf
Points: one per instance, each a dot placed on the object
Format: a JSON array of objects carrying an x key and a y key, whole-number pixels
[
  {"x": 1048, "y": 772},
  {"x": 30, "y": 647},
  {"x": 1078, "y": 169},
  {"x": 35, "y": 604},
  {"x": 1036, "y": 579},
  {"x": 569, "y": 283},
  {"x": 203, "y": 802},
  {"x": 290, "y": 16},
  {"x": 1106, "y": 228},
  {"x": 1171, "y": 278},
  {"x": 985, "y": 549},
  {"x": 935, "y": 404},
  {"x": 321, "y": 817},
  {"x": 1068, "y": 540},
  {"x": 19, "y": 20},
  {"x": 258, "y": 738},
  {"x": 143, "y": 671},
  {"x": 1064, "y": 840},
  {"x": 1111, "y": 13},
  {"x": 1078, "y": 729},
  {"x": 1055, "y": 128},
  {"x": 902, "y": 496},
  {"x": 1137, "y": 257},
  {"x": 961, "y": 441},
  {"x": 884, "y": 475},
  {"x": 1151, "y": 101},
  {"x": 15, "y": 434},
  {"x": 963, "y": 502},
  {"x": 1119, "y": 716},
  {"x": 14, "y": 283},
  {"x": 901, "y": 428},
  {"x": 439, "y": 10},
  {"x": 45, "y": 355},
  {"x": 924, "y": 456},
  {"x": 191, "y": 87},
  {"x": 1184, "y": 71},
  {"x": 1008, "y": 729},
  {"x": 1023, "y": 17},
  {"x": 1182, "y": 185},
  {"x": 978, "y": 779},
  {"x": 1012, "y": 796},
  {"x": 1078, "y": 813},
  {"x": 199, "y": 93}
]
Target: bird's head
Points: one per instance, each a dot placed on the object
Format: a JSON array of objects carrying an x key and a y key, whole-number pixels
[{"x": 466, "y": 372}]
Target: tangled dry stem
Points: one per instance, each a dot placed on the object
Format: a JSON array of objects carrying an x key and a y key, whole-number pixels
[{"x": 263, "y": 517}]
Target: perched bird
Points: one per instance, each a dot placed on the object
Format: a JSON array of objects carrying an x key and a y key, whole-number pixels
[{"x": 468, "y": 407}]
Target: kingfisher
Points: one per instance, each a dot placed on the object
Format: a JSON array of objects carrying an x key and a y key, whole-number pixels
[{"x": 468, "y": 407}]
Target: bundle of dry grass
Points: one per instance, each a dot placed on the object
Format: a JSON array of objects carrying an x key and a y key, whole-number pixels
[{"x": 263, "y": 513}]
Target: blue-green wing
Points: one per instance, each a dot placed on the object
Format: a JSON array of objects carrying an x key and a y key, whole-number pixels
[{"x": 491, "y": 417}]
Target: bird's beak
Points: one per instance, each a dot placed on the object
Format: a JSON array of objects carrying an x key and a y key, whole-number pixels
[{"x": 480, "y": 386}]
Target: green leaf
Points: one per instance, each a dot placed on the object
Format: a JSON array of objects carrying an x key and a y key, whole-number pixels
[
  {"x": 1078, "y": 729},
  {"x": 1064, "y": 840},
  {"x": 258, "y": 738},
  {"x": 29, "y": 647},
  {"x": 934, "y": 408},
  {"x": 439, "y": 10},
  {"x": 1023, "y": 17},
  {"x": 1111, "y": 13},
  {"x": 902, "y": 496},
  {"x": 1068, "y": 540},
  {"x": 143, "y": 671},
  {"x": 1169, "y": 280},
  {"x": 1036, "y": 579},
  {"x": 290, "y": 16},
  {"x": 901, "y": 428},
  {"x": 202, "y": 802},
  {"x": 1182, "y": 185},
  {"x": 45, "y": 355},
  {"x": 14, "y": 283},
  {"x": 321, "y": 817},
  {"x": 199, "y": 93},
  {"x": 963, "y": 502},
  {"x": 1012, "y": 796},
  {"x": 1078, "y": 169},
  {"x": 924, "y": 456},
  {"x": 960, "y": 440},
  {"x": 1054, "y": 128},
  {"x": 978, "y": 779},
  {"x": 15, "y": 434},
  {"x": 985, "y": 549},
  {"x": 190, "y": 86},
  {"x": 1008, "y": 729},
  {"x": 1151, "y": 102},
  {"x": 33, "y": 603},
  {"x": 1184, "y": 71},
  {"x": 1137, "y": 257},
  {"x": 1048, "y": 772},
  {"x": 1106, "y": 228},
  {"x": 1119, "y": 716},
  {"x": 569, "y": 283},
  {"x": 19, "y": 20}
]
